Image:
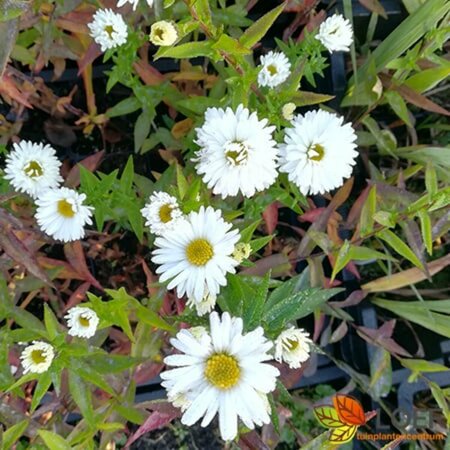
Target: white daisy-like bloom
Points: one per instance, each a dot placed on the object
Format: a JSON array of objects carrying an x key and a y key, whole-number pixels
[
  {"x": 288, "y": 111},
  {"x": 162, "y": 213},
  {"x": 163, "y": 33},
  {"x": 225, "y": 373},
  {"x": 336, "y": 34},
  {"x": 205, "y": 305},
  {"x": 238, "y": 153},
  {"x": 121, "y": 3},
  {"x": 82, "y": 321},
  {"x": 242, "y": 251},
  {"x": 108, "y": 29},
  {"x": 37, "y": 358},
  {"x": 318, "y": 152},
  {"x": 275, "y": 69},
  {"x": 61, "y": 214},
  {"x": 197, "y": 257},
  {"x": 32, "y": 168},
  {"x": 293, "y": 346}
]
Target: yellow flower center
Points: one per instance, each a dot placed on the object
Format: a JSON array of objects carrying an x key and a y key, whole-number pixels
[
  {"x": 222, "y": 371},
  {"x": 38, "y": 357},
  {"x": 110, "y": 30},
  {"x": 236, "y": 153},
  {"x": 199, "y": 252},
  {"x": 33, "y": 169},
  {"x": 66, "y": 209},
  {"x": 159, "y": 33},
  {"x": 272, "y": 69},
  {"x": 316, "y": 152},
  {"x": 291, "y": 344},
  {"x": 165, "y": 213},
  {"x": 84, "y": 322}
]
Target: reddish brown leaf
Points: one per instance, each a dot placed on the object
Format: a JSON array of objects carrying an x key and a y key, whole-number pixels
[
  {"x": 75, "y": 255},
  {"x": 411, "y": 96},
  {"x": 279, "y": 264},
  {"x": 149, "y": 75},
  {"x": 77, "y": 296},
  {"x": 91, "y": 163},
  {"x": 349, "y": 410},
  {"x": 91, "y": 54},
  {"x": 16, "y": 250},
  {"x": 154, "y": 421},
  {"x": 11, "y": 92},
  {"x": 252, "y": 441},
  {"x": 270, "y": 216}
]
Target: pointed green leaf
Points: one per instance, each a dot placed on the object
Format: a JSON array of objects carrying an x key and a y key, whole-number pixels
[
  {"x": 53, "y": 441},
  {"x": 257, "y": 31},
  {"x": 400, "y": 247}
]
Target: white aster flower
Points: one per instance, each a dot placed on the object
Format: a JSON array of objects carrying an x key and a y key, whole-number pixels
[
  {"x": 121, "y": 3},
  {"x": 162, "y": 213},
  {"x": 275, "y": 69},
  {"x": 163, "y": 33},
  {"x": 293, "y": 346},
  {"x": 336, "y": 34},
  {"x": 205, "y": 305},
  {"x": 61, "y": 214},
  {"x": 225, "y": 373},
  {"x": 237, "y": 152},
  {"x": 288, "y": 111},
  {"x": 108, "y": 29},
  {"x": 197, "y": 257},
  {"x": 82, "y": 321},
  {"x": 37, "y": 358},
  {"x": 318, "y": 152},
  {"x": 242, "y": 251},
  {"x": 32, "y": 168}
]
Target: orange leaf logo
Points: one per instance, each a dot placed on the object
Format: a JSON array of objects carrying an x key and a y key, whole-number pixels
[{"x": 349, "y": 410}]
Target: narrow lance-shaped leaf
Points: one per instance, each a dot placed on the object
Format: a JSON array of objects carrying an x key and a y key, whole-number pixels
[
  {"x": 400, "y": 247},
  {"x": 256, "y": 32}
]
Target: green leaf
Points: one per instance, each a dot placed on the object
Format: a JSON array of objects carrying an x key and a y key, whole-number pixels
[
  {"x": 44, "y": 382},
  {"x": 232, "y": 297},
  {"x": 404, "y": 36},
  {"x": 400, "y": 247},
  {"x": 107, "y": 363},
  {"x": 131, "y": 414},
  {"x": 420, "y": 365},
  {"x": 342, "y": 259},
  {"x": 426, "y": 230},
  {"x": 13, "y": 433},
  {"x": 431, "y": 182},
  {"x": 381, "y": 373},
  {"x": 11, "y": 9},
  {"x": 421, "y": 313},
  {"x": 253, "y": 307},
  {"x": 182, "y": 183},
  {"x": 51, "y": 322},
  {"x": 305, "y": 98},
  {"x": 259, "y": 243},
  {"x": 81, "y": 394},
  {"x": 153, "y": 319},
  {"x": 257, "y": 31},
  {"x": 188, "y": 50},
  {"x": 288, "y": 288},
  {"x": 367, "y": 213},
  {"x": 53, "y": 441},
  {"x": 230, "y": 45},
  {"x": 427, "y": 79},
  {"x": 142, "y": 129},
  {"x": 91, "y": 376},
  {"x": 439, "y": 396},
  {"x": 398, "y": 105},
  {"x": 296, "y": 306},
  {"x": 126, "y": 106}
]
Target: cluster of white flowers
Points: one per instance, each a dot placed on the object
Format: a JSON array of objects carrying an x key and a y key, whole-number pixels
[
  {"x": 38, "y": 357},
  {"x": 238, "y": 153},
  {"x": 34, "y": 169},
  {"x": 109, "y": 29}
]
